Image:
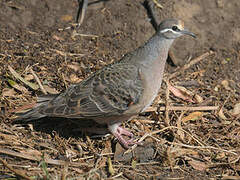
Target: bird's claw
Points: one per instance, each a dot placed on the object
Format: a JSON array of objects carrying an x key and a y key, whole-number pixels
[{"x": 126, "y": 143}]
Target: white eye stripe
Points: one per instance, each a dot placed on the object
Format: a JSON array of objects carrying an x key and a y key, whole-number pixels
[{"x": 166, "y": 30}]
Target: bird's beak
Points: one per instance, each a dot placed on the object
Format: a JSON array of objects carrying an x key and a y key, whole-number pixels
[{"x": 185, "y": 31}]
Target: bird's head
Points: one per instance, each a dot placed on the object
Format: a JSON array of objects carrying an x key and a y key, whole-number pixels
[{"x": 173, "y": 28}]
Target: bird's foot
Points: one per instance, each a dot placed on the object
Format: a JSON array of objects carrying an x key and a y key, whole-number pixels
[
  {"x": 118, "y": 131},
  {"x": 125, "y": 132},
  {"x": 126, "y": 143}
]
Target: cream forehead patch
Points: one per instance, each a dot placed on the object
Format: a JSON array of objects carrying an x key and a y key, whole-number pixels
[{"x": 180, "y": 24}]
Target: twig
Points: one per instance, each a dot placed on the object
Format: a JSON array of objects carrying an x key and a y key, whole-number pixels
[
  {"x": 158, "y": 4},
  {"x": 169, "y": 127},
  {"x": 17, "y": 76},
  {"x": 62, "y": 53},
  {"x": 14, "y": 170},
  {"x": 183, "y": 108},
  {"x": 194, "y": 61},
  {"x": 149, "y": 7},
  {"x": 22, "y": 108},
  {"x": 90, "y": 157},
  {"x": 202, "y": 147},
  {"x": 158, "y": 131},
  {"x": 143, "y": 121},
  {"x": 82, "y": 8},
  {"x": 38, "y": 159},
  {"x": 179, "y": 144},
  {"x": 138, "y": 164},
  {"x": 64, "y": 172},
  {"x": 167, "y": 120},
  {"x": 190, "y": 108},
  {"x": 74, "y": 33},
  {"x": 179, "y": 125},
  {"x": 116, "y": 176},
  {"x": 38, "y": 81}
]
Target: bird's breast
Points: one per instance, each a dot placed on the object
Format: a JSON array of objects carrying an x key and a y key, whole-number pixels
[{"x": 152, "y": 79}]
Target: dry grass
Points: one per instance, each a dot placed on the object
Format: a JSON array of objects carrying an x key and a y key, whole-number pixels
[{"x": 178, "y": 137}]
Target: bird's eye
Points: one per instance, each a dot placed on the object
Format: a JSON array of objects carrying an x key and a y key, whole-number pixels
[{"x": 175, "y": 28}]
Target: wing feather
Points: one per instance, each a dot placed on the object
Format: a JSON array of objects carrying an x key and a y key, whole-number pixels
[{"x": 108, "y": 92}]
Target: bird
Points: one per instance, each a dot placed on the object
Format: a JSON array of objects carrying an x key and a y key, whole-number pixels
[{"x": 118, "y": 91}]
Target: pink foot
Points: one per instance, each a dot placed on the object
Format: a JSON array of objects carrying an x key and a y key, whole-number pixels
[
  {"x": 124, "y": 132},
  {"x": 118, "y": 132}
]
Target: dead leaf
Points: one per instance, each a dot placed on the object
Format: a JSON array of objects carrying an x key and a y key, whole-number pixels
[
  {"x": 225, "y": 84},
  {"x": 179, "y": 125},
  {"x": 181, "y": 92},
  {"x": 70, "y": 153},
  {"x": 142, "y": 153},
  {"x": 8, "y": 138},
  {"x": 233, "y": 159},
  {"x": 75, "y": 67},
  {"x": 60, "y": 52},
  {"x": 198, "y": 99},
  {"x": 216, "y": 88},
  {"x": 151, "y": 109},
  {"x": 42, "y": 68},
  {"x": 179, "y": 152},
  {"x": 50, "y": 90},
  {"x": 31, "y": 152},
  {"x": 74, "y": 79},
  {"x": 181, "y": 134},
  {"x": 19, "y": 77},
  {"x": 174, "y": 152},
  {"x": 230, "y": 177},
  {"x": 236, "y": 109},
  {"x": 107, "y": 149},
  {"x": 29, "y": 77},
  {"x": 134, "y": 163},
  {"x": 119, "y": 153},
  {"x": 110, "y": 167},
  {"x": 192, "y": 117},
  {"x": 66, "y": 18},
  {"x": 198, "y": 165},
  {"x": 221, "y": 114},
  {"x": 57, "y": 38},
  {"x": 6, "y": 92},
  {"x": 234, "y": 163},
  {"x": 198, "y": 73},
  {"x": 24, "y": 108},
  {"x": 83, "y": 65},
  {"x": 220, "y": 156},
  {"x": 17, "y": 86}
]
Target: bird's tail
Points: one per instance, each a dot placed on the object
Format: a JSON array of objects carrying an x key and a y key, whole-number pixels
[{"x": 34, "y": 113}]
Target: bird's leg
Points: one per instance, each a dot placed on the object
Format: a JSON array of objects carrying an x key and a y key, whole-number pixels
[
  {"x": 117, "y": 131},
  {"x": 124, "y": 132}
]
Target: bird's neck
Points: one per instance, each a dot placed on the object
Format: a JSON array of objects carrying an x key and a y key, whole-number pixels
[
  {"x": 155, "y": 51},
  {"x": 151, "y": 59}
]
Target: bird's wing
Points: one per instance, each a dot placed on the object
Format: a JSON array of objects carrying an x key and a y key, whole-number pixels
[{"x": 110, "y": 91}]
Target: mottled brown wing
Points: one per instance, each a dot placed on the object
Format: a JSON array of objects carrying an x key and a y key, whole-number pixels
[{"x": 108, "y": 92}]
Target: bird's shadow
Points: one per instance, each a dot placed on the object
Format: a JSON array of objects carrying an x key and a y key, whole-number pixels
[{"x": 66, "y": 128}]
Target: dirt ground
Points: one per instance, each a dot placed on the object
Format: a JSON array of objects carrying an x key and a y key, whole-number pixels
[{"x": 198, "y": 143}]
